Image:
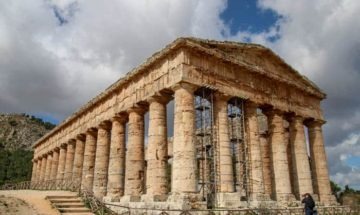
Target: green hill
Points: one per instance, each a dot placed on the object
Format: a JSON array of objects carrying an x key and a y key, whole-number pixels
[{"x": 17, "y": 133}]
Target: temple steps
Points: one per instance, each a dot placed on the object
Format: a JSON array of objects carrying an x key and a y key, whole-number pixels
[{"x": 69, "y": 205}]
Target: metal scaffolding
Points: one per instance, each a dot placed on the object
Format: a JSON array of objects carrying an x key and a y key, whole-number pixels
[
  {"x": 239, "y": 146},
  {"x": 208, "y": 173},
  {"x": 206, "y": 145}
]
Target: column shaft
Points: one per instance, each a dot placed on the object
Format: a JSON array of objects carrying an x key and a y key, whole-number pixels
[
  {"x": 225, "y": 154},
  {"x": 48, "y": 167},
  {"x": 43, "y": 168},
  {"x": 157, "y": 183},
  {"x": 184, "y": 151},
  {"x": 300, "y": 164},
  {"x": 134, "y": 176},
  {"x": 38, "y": 169},
  {"x": 33, "y": 173},
  {"x": 319, "y": 162},
  {"x": 89, "y": 161},
  {"x": 253, "y": 138},
  {"x": 280, "y": 167},
  {"x": 69, "y": 159},
  {"x": 61, "y": 165},
  {"x": 54, "y": 164},
  {"x": 79, "y": 158},
  {"x": 116, "y": 174},
  {"x": 101, "y": 161},
  {"x": 266, "y": 158}
]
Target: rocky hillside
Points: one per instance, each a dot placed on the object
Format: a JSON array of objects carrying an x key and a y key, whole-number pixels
[{"x": 20, "y": 131}]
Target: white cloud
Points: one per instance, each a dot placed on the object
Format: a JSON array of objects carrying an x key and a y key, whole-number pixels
[
  {"x": 56, "y": 55},
  {"x": 321, "y": 39}
]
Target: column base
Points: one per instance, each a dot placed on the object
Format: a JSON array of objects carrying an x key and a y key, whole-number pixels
[
  {"x": 328, "y": 200},
  {"x": 111, "y": 199},
  {"x": 285, "y": 197},
  {"x": 154, "y": 198},
  {"x": 186, "y": 201},
  {"x": 230, "y": 200}
]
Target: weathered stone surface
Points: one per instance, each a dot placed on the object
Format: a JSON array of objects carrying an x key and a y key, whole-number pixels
[
  {"x": 54, "y": 164},
  {"x": 61, "y": 165},
  {"x": 116, "y": 174},
  {"x": 101, "y": 161},
  {"x": 38, "y": 169},
  {"x": 184, "y": 151},
  {"x": 69, "y": 163},
  {"x": 271, "y": 163},
  {"x": 33, "y": 173},
  {"x": 89, "y": 161},
  {"x": 157, "y": 182},
  {"x": 280, "y": 167},
  {"x": 79, "y": 158},
  {"x": 300, "y": 159},
  {"x": 267, "y": 164},
  {"x": 135, "y": 157},
  {"x": 256, "y": 164},
  {"x": 225, "y": 156},
  {"x": 319, "y": 162},
  {"x": 43, "y": 168},
  {"x": 48, "y": 167}
]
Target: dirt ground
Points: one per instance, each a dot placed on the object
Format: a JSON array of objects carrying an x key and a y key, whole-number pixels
[
  {"x": 27, "y": 202},
  {"x": 14, "y": 206}
]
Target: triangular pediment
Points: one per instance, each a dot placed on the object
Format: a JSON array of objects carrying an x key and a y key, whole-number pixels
[{"x": 258, "y": 59}]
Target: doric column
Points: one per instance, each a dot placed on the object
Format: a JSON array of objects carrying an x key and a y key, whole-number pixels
[
  {"x": 38, "y": 169},
  {"x": 299, "y": 155},
  {"x": 89, "y": 160},
  {"x": 184, "y": 151},
  {"x": 33, "y": 173},
  {"x": 266, "y": 158},
  {"x": 54, "y": 164},
  {"x": 61, "y": 165},
  {"x": 70, "y": 151},
  {"x": 48, "y": 166},
  {"x": 116, "y": 174},
  {"x": 79, "y": 157},
  {"x": 156, "y": 182},
  {"x": 102, "y": 160},
  {"x": 43, "y": 168},
  {"x": 319, "y": 162},
  {"x": 280, "y": 166},
  {"x": 255, "y": 156},
  {"x": 135, "y": 160},
  {"x": 226, "y": 163}
]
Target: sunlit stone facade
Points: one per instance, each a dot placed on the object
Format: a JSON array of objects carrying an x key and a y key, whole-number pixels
[{"x": 102, "y": 146}]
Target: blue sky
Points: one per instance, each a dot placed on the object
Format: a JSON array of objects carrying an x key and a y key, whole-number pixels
[
  {"x": 245, "y": 15},
  {"x": 69, "y": 51}
]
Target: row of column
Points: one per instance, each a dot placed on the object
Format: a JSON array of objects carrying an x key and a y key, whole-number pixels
[{"x": 100, "y": 161}]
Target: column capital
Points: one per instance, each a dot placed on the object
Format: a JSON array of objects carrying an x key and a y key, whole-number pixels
[
  {"x": 80, "y": 137},
  {"x": 120, "y": 117},
  {"x": 137, "y": 109},
  {"x": 222, "y": 96},
  {"x": 105, "y": 125},
  {"x": 250, "y": 108},
  {"x": 184, "y": 85},
  {"x": 63, "y": 146},
  {"x": 55, "y": 149},
  {"x": 272, "y": 111},
  {"x": 160, "y": 98},
  {"x": 314, "y": 122},
  {"x": 49, "y": 152},
  {"x": 91, "y": 131},
  {"x": 71, "y": 141}
]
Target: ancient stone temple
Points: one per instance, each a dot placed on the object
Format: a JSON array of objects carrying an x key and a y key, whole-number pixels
[{"x": 246, "y": 132}]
